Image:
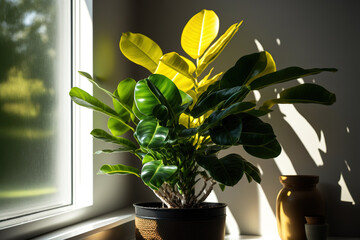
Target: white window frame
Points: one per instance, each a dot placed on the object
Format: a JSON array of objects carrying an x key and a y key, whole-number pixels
[{"x": 82, "y": 143}]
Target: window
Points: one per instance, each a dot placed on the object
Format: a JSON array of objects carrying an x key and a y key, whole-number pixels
[{"x": 44, "y": 140}]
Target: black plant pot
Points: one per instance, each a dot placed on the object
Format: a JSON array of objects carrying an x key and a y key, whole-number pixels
[{"x": 206, "y": 222}]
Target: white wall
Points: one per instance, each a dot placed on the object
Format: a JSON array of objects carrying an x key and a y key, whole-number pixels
[{"x": 321, "y": 33}]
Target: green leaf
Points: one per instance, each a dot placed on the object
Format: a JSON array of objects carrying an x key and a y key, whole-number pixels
[
  {"x": 90, "y": 78},
  {"x": 167, "y": 88},
  {"x": 212, "y": 100},
  {"x": 102, "y": 135},
  {"x": 252, "y": 172},
  {"x": 120, "y": 108},
  {"x": 228, "y": 132},
  {"x": 165, "y": 92},
  {"x": 145, "y": 99},
  {"x": 115, "y": 97},
  {"x": 150, "y": 134},
  {"x": 186, "y": 101},
  {"x": 118, "y": 150},
  {"x": 304, "y": 93},
  {"x": 285, "y": 75},
  {"x": 84, "y": 99},
  {"x": 270, "y": 150},
  {"x": 141, "y": 50},
  {"x": 154, "y": 173},
  {"x": 124, "y": 98},
  {"x": 255, "y": 132},
  {"x": 247, "y": 69},
  {"x": 218, "y": 115},
  {"x": 210, "y": 150},
  {"x": 161, "y": 112},
  {"x": 227, "y": 170},
  {"x": 187, "y": 132},
  {"x": 119, "y": 169},
  {"x": 116, "y": 127},
  {"x": 125, "y": 90},
  {"x": 147, "y": 158},
  {"x": 137, "y": 112}
]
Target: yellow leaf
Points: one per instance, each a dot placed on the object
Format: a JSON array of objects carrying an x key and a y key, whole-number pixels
[
  {"x": 270, "y": 67},
  {"x": 178, "y": 69},
  {"x": 216, "y": 48},
  {"x": 199, "y": 32},
  {"x": 141, "y": 50},
  {"x": 206, "y": 82}
]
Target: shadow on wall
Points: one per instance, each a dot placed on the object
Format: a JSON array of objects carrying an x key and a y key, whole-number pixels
[{"x": 310, "y": 147}]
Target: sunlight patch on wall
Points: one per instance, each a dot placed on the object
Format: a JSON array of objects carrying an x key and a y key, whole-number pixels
[
  {"x": 300, "y": 80},
  {"x": 267, "y": 217},
  {"x": 284, "y": 164},
  {"x": 257, "y": 95},
  {"x": 232, "y": 227},
  {"x": 305, "y": 132},
  {"x": 278, "y": 42},
  {"x": 258, "y": 45},
  {"x": 345, "y": 193}
]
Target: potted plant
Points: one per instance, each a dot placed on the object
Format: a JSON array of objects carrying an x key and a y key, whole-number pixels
[{"x": 180, "y": 118}]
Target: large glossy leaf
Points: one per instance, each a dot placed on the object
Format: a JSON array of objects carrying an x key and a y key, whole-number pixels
[
  {"x": 84, "y": 99},
  {"x": 285, "y": 75},
  {"x": 116, "y": 127},
  {"x": 304, "y": 93},
  {"x": 227, "y": 170},
  {"x": 150, "y": 134},
  {"x": 270, "y": 150},
  {"x": 186, "y": 101},
  {"x": 228, "y": 132},
  {"x": 252, "y": 172},
  {"x": 119, "y": 169},
  {"x": 216, "y": 48},
  {"x": 147, "y": 97},
  {"x": 214, "y": 99},
  {"x": 154, "y": 173},
  {"x": 219, "y": 115},
  {"x": 199, "y": 32},
  {"x": 125, "y": 91},
  {"x": 167, "y": 88},
  {"x": 255, "y": 132},
  {"x": 121, "y": 108},
  {"x": 247, "y": 69},
  {"x": 141, "y": 50},
  {"x": 101, "y": 134},
  {"x": 178, "y": 69},
  {"x": 137, "y": 112}
]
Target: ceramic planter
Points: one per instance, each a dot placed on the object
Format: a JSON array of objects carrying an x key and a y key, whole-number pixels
[
  {"x": 298, "y": 198},
  {"x": 154, "y": 222}
]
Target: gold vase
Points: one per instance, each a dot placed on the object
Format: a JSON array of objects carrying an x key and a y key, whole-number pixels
[{"x": 298, "y": 198}]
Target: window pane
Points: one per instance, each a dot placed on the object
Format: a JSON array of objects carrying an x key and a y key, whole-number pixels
[{"x": 35, "y": 110}]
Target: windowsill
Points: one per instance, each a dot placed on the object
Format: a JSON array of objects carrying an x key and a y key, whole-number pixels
[
  {"x": 121, "y": 223},
  {"x": 91, "y": 227}
]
